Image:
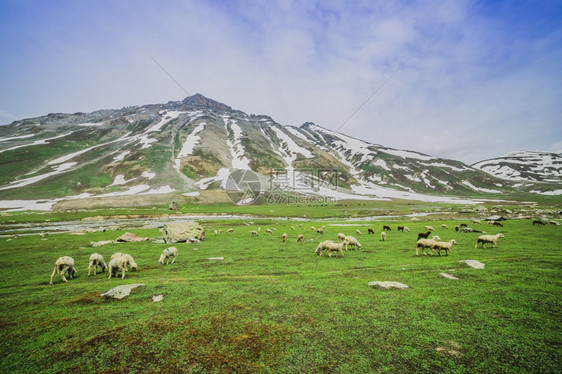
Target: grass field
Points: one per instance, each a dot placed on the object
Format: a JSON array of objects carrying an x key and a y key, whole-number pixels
[{"x": 273, "y": 307}]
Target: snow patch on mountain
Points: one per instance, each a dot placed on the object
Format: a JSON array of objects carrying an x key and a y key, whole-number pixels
[
  {"x": 189, "y": 145},
  {"x": 37, "y": 142}
]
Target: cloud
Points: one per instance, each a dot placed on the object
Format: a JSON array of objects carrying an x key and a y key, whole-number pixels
[{"x": 481, "y": 79}]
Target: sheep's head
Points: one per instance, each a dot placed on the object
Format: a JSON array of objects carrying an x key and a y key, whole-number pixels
[
  {"x": 161, "y": 259},
  {"x": 453, "y": 241},
  {"x": 436, "y": 237},
  {"x": 500, "y": 235}
]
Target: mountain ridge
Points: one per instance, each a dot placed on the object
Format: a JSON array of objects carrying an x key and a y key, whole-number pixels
[{"x": 190, "y": 146}]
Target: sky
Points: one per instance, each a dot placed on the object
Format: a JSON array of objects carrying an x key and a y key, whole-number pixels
[{"x": 459, "y": 79}]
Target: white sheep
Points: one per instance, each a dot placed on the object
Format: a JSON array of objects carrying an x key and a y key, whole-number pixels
[
  {"x": 268, "y": 232},
  {"x": 358, "y": 232},
  {"x": 320, "y": 231},
  {"x": 426, "y": 243},
  {"x": 328, "y": 246},
  {"x": 313, "y": 228},
  {"x": 95, "y": 260},
  {"x": 292, "y": 228},
  {"x": 444, "y": 226},
  {"x": 383, "y": 236},
  {"x": 476, "y": 221},
  {"x": 117, "y": 263},
  {"x": 300, "y": 238},
  {"x": 429, "y": 228},
  {"x": 230, "y": 230},
  {"x": 443, "y": 246},
  {"x": 254, "y": 233},
  {"x": 62, "y": 265},
  {"x": 167, "y": 253},
  {"x": 284, "y": 237},
  {"x": 351, "y": 241},
  {"x": 406, "y": 229},
  {"x": 216, "y": 232},
  {"x": 488, "y": 239},
  {"x": 129, "y": 258}
]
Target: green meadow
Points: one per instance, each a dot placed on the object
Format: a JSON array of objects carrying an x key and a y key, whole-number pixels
[{"x": 275, "y": 307}]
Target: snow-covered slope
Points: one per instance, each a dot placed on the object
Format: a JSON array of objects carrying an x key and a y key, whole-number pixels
[
  {"x": 193, "y": 145},
  {"x": 540, "y": 172}
]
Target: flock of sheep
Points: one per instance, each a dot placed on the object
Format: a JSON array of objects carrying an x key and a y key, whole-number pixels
[
  {"x": 121, "y": 261},
  {"x": 118, "y": 262}
]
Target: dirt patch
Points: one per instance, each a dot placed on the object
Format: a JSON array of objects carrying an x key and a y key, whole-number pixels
[{"x": 212, "y": 343}]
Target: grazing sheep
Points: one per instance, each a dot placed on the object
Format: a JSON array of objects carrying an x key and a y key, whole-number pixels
[
  {"x": 426, "y": 243},
  {"x": 320, "y": 231},
  {"x": 386, "y": 227},
  {"x": 383, "y": 236},
  {"x": 117, "y": 263},
  {"x": 423, "y": 235},
  {"x": 328, "y": 246},
  {"x": 406, "y": 229},
  {"x": 341, "y": 237},
  {"x": 62, "y": 265},
  {"x": 95, "y": 260},
  {"x": 370, "y": 231},
  {"x": 300, "y": 238},
  {"x": 167, "y": 253},
  {"x": 216, "y": 232},
  {"x": 259, "y": 229},
  {"x": 463, "y": 225},
  {"x": 230, "y": 230},
  {"x": 468, "y": 229},
  {"x": 456, "y": 228},
  {"x": 538, "y": 222},
  {"x": 444, "y": 226},
  {"x": 351, "y": 241},
  {"x": 357, "y": 232},
  {"x": 313, "y": 228},
  {"x": 476, "y": 221},
  {"x": 268, "y": 232},
  {"x": 429, "y": 228},
  {"x": 254, "y": 233},
  {"x": 129, "y": 258},
  {"x": 284, "y": 237},
  {"x": 552, "y": 222},
  {"x": 292, "y": 228},
  {"x": 400, "y": 228},
  {"x": 496, "y": 223},
  {"x": 443, "y": 246},
  {"x": 488, "y": 239}
]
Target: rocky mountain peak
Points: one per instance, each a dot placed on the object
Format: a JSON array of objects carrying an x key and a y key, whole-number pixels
[{"x": 200, "y": 101}]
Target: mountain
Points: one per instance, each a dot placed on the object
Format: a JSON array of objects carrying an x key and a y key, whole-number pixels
[
  {"x": 190, "y": 147},
  {"x": 539, "y": 172}
]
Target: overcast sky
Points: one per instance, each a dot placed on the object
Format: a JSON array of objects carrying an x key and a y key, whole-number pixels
[{"x": 467, "y": 80}]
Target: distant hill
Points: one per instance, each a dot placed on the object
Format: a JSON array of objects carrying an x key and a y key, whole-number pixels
[{"x": 539, "y": 172}]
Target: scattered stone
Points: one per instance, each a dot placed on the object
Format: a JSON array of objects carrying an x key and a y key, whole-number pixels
[
  {"x": 215, "y": 259},
  {"x": 473, "y": 264},
  {"x": 102, "y": 243},
  {"x": 130, "y": 237},
  {"x": 388, "y": 284},
  {"x": 189, "y": 232},
  {"x": 120, "y": 292},
  {"x": 449, "y": 276},
  {"x": 159, "y": 241},
  {"x": 157, "y": 298}
]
